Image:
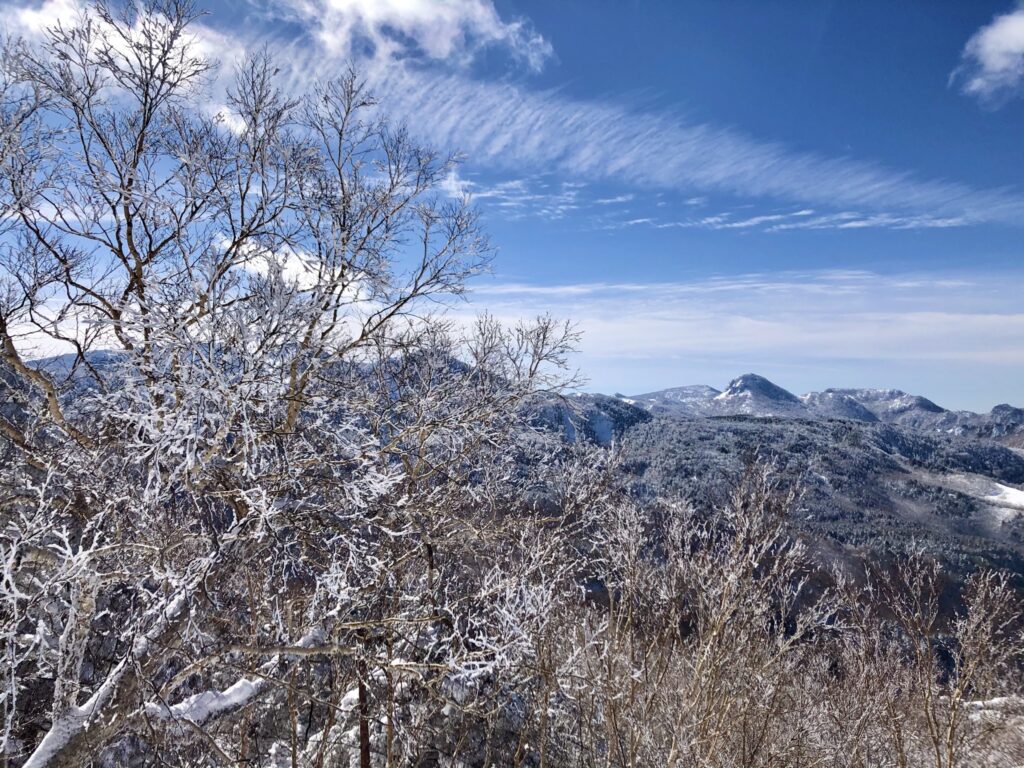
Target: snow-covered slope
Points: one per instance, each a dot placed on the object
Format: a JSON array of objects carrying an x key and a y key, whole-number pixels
[
  {"x": 687, "y": 401},
  {"x": 893, "y": 406},
  {"x": 1005, "y": 502},
  {"x": 831, "y": 404}
]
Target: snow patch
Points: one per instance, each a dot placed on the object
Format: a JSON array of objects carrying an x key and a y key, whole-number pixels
[{"x": 1005, "y": 501}]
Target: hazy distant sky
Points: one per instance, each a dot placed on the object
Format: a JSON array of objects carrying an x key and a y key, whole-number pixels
[{"x": 825, "y": 193}]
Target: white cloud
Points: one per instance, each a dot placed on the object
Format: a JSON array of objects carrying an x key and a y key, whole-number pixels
[
  {"x": 757, "y": 221},
  {"x": 614, "y": 200},
  {"x": 993, "y": 59},
  {"x": 955, "y": 339},
  {"x": 31, "y": 21},
  {"x": 445, "y": 30},
  {"x": 854, "y": 220}
]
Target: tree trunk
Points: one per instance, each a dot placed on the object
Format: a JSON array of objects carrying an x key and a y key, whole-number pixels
[{"x": 364, "y": 727}]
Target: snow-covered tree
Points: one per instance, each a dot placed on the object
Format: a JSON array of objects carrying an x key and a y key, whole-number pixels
[{"x": 242, "y": 507}]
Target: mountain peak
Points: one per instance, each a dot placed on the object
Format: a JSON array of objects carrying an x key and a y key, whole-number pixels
[{"x": 752, "y": 385}]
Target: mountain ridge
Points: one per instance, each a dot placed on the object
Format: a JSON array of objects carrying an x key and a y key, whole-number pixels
[{"x": 753, "y": 395}]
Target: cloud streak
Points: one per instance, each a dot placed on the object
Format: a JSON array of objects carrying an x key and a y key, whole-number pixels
[{"x": 805, "y": 218}]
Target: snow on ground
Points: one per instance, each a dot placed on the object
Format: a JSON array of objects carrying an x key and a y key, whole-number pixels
[
  {"x": 1006, "y": 502},
  {"x": 1010, "y": 497}
]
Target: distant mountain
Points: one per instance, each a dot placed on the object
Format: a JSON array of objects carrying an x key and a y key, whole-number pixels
[
  {"x": 753, "y": 395},
  {"x": 1003, "y": 423},
  {"x": 749, "y": 395},
  {"x": 685, "y": 401},
  {"x": 835, "y": 404},
  {"x": 893, "y": 406}
]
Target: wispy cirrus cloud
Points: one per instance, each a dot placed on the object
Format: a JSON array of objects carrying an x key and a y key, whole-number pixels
[
  {"x": 805, "y": 218},
  {"x": 522, "y": 198},
  {"x": 992, "y": 65},
  {"x": 413, "y": 52},
  {"x": 512, "y": 127},
  {"x": 855, "y": 220},
  {"x": 615, "y": 200},
  {"x": 766, "y": 219},
  {"x": 509, "y": 126}
]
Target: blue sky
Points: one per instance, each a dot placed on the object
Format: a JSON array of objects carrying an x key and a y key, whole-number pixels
[{"x": 826, "y": 193}]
